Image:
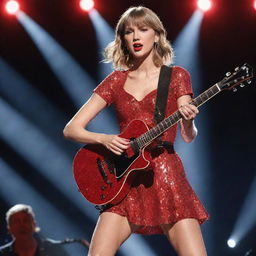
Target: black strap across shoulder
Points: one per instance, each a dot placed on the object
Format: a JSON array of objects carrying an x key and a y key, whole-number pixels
[{"x": 162, "y": 93}]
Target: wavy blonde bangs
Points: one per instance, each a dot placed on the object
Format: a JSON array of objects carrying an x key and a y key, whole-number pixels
[{"x": 117, "y": 53}]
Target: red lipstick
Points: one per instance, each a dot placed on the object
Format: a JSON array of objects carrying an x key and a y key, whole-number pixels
[{"x": 137, "y": 47}]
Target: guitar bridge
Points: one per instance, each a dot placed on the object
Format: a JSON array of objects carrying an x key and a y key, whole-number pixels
[
  {"x": 101, "y": 169},
  {"x": 103, "y": 172}
]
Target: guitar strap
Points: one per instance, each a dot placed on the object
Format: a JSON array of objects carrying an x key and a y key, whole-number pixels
[{"x": 162, "y": 93}]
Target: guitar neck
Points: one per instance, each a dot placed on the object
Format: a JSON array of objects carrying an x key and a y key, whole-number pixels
[{"x": 146, "y": 138}]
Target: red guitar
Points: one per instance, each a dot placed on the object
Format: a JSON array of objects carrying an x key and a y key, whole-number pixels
[{"x": 103, "y": 177}]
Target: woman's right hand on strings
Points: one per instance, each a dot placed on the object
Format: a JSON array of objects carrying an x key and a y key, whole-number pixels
[{"x": 115, "y": 143}]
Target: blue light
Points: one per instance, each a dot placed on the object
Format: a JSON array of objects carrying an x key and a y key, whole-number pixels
[
  {"x": 75, "y": 81},
  {"x": 42, "y": 153},
  {"x": 105, "y": 35},
  {"x": 195, "y": 155},
  {"x": 247, "y": 218},
  {"x": 231, "y": 243},
  {"x": 52, "y": 222}
]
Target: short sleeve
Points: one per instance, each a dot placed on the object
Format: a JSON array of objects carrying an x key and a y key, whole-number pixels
[
  {"x": 181, "y": 82},
  {"x": 106, "y": 88}
]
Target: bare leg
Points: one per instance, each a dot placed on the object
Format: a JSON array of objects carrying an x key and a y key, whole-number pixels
[
  {"x": 186, "y": 237},
  {"x": 110, "y": 232}
]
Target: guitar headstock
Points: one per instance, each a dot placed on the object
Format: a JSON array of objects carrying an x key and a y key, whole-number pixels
[{"x": 240, "y": 77}]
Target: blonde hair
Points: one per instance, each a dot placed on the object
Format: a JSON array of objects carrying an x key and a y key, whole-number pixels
[
  {"x": 117, "y": 53},
  {"x": 21, "y": 208}
]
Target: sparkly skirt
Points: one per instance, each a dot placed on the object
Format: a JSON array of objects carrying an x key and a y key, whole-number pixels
[{"x": 161, "y": 195}]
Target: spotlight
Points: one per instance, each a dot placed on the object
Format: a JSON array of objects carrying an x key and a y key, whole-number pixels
[
  {"x": 231, "y": 243},
  {"x": 12, "y": 7},
  {"x": 204, "y": 5},
  {"x": 87, "y": 5},
  {"x": 254, "y": 5}
]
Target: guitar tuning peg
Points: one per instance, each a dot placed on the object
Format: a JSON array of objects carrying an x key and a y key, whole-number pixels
[
  {"x": 249, "y": 81},
  {"x": 237, "y": 68},
  {"x": 242, "y": 85},
  {"x": 228, "y": 74},
  {"x": 234, "y": 89}
]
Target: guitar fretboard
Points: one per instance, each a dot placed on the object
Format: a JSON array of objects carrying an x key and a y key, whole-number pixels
[{"x": 167, "y": 123}]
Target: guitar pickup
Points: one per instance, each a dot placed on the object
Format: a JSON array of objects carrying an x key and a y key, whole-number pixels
[{"x": 111, "y": 166}]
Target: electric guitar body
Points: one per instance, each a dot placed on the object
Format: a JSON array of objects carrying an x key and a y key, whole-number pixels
[{"x": 104, "y": 177}]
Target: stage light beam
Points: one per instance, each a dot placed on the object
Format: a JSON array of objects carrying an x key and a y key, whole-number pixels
[
  {"x": 247, "y": 219},
  {"x": 198, "y": 171},
  {"x": 104, "y": 34},
  {"x": 75, "y": 81},
  {"x": 204, "y": 5},
  {"x": 12, "y": 7},
  {"x": 86, "y": 5}
]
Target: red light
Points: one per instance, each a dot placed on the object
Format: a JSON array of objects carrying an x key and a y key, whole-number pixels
[
  {"x": 12, "y": 7},
  {"x": 204, "y": 5},
  {"x": 254, "y": 5},
  {"x": 87, "y": 5}
]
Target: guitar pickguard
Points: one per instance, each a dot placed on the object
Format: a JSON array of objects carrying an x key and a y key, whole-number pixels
[{"x": 122, "y": 164}]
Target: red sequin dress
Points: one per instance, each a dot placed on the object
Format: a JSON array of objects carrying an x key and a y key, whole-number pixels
[{"x": 163, "y": 195}]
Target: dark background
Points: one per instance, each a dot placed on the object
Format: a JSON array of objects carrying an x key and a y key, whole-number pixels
[{"x": 227, "y": 39}]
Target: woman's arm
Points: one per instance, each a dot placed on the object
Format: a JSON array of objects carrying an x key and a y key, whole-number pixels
[
  {"x": 188, "y": 112},
  {"x": 75, "y": 129}
]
